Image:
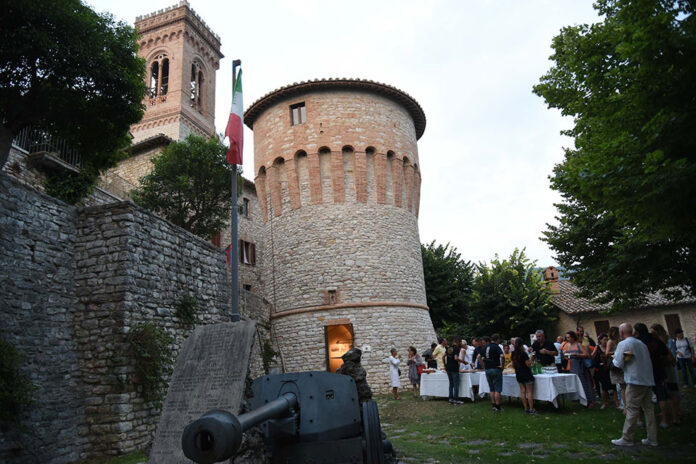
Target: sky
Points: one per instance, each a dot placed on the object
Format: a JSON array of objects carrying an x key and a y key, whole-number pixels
[{"x": 489, "y": 143}]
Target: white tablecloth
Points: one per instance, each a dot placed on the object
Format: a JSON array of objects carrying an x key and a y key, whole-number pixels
[
  {"x": 437, "y": 384},
  {"x": 547, "y": 387}
]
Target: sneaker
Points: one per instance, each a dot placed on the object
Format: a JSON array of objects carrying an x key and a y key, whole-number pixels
[
  {"x": 532, "y": 411},
  {"x": 495, "y": 409},
  {"x": 647, "y": 442},
  {"x": 621, "y": 442}
]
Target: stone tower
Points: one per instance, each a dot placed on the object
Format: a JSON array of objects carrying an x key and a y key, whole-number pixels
[
  {"x": 181, "y": 55},
  {"x": 338, "y": 181}
]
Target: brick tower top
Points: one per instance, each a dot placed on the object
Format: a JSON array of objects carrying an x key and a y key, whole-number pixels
[
  {"x": 181, "y": 55},
  {"x": 318, "y": 85}
]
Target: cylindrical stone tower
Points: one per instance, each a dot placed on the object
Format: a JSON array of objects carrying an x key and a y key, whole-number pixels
[{"x": 338, "y": 180}]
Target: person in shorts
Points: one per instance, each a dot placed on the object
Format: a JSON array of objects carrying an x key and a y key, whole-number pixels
[
  {"x": 523, "y": 373},
  {"x": 492, "y": 359}
]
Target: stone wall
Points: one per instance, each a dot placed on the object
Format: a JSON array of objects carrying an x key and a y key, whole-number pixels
[
  {"x": 134, "y": 268},
  {"x": 75, "y": 282},
  {"x": 376, "y": 329},
  {"x": 37, "y": 308},
  {"x": 648, "y": 316}
]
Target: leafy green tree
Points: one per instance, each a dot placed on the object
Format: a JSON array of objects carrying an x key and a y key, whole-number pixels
[
  {"x": 626, "y": 223},
  {"x": 190, "y": 185},
  {"x": 511, "y": 298},
  {"x": 449, "y": 284},
  {"x": 72, "y": 72}
]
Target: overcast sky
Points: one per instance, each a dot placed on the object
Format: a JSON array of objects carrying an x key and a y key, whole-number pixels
[{"x": 489, "y": 143}]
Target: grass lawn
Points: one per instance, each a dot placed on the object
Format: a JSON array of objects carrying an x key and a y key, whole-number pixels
[{"x": 433, "y": 431}]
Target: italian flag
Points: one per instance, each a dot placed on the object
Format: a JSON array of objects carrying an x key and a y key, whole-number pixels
[{"x": 235, "y": 124}]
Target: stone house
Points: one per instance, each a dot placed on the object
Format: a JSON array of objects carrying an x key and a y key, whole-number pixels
[{"x": 574, "y": 311}]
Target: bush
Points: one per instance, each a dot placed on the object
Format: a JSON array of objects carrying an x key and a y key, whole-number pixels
[
  {"x": 187, "y": 309},
  {"x": 151, "y": 349}
]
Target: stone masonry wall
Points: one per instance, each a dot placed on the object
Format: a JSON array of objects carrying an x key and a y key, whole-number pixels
[
  {"x": 135, "y": 267},
  {"x": 37, "y": 308},
  {"x": 75, "y": 283},
  {"x": 380, "y": 328}
]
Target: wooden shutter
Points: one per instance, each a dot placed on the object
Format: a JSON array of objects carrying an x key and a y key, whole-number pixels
[{"x": 673, "y": 323}]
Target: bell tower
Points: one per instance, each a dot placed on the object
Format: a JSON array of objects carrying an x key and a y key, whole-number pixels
[{"x": 182, "y": 55}]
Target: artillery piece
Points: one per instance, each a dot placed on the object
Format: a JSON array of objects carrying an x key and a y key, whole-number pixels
[{"x": 306, "y": 417}]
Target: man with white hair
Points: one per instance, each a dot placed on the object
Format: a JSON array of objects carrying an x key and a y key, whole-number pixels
[{"x": 633, "y": 357}]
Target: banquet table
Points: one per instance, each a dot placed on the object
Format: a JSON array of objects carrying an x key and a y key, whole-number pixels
[
  {"x": 547, "y": 387},
  {"x": 437, "y": 384}
]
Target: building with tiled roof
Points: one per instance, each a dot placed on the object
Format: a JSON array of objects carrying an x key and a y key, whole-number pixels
[{"x": 596, "y": 318}]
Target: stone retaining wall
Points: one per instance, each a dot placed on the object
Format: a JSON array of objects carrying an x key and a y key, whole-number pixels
[{"x": 74, "y": 283}]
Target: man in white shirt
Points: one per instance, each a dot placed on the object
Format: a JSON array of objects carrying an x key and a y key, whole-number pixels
[{"x": 633, "y": 357}]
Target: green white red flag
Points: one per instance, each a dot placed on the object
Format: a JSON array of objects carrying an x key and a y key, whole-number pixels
[{"x": 235, "y": 124}]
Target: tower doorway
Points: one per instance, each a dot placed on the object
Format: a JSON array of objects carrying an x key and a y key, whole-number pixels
[{"x": 338, "y": 339}]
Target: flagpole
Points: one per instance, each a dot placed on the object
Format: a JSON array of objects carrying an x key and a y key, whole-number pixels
[{"x": 234, "y": 240}]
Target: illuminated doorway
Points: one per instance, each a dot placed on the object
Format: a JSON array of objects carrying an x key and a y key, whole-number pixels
[{"x": 339, "y": 339}]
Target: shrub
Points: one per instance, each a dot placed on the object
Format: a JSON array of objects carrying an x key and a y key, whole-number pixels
[
  {"x": 187, "y": 309},
  {"x": 151, "y": 349}
]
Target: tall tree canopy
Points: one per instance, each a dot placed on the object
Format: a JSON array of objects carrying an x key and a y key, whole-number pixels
[
  {"x": 449, "y": 282},
  {"x": 626, "y": 223},
  {"x": 190, "y": 185},
  {"x": 72, "y": 72},
  {"x": 511, "y": 298},
  {"x": 506, "y": 296}
]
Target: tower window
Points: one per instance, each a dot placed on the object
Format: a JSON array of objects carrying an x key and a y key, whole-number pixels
[
  {"x": 298, "y": 114},
  {"x": 159, "y": 76},
  {"x": 196, "y": 86}
]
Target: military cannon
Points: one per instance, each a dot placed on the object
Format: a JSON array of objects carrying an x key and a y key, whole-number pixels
[{"x": 306, "y": 417}]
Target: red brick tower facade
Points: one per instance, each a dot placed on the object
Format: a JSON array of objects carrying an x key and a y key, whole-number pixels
[{"x": 181, "y": 55}]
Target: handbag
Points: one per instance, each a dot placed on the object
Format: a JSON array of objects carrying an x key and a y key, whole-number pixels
[{"x": 420, "y": 368}]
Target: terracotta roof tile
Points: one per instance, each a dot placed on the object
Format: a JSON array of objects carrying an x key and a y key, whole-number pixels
[{"x": 568, "y": 302}]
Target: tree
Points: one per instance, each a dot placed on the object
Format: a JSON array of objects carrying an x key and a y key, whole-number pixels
[
  {"x": 626, "y": 223},
  {"x": 72, "y": 72},
  {"x": 511, "y": 298},
  {"x": 448, "y": 284},
  {"x": 190, "y": 185}
]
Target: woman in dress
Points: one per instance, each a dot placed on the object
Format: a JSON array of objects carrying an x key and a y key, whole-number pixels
[
  {"x": 602, "y": 381},
  {"x": 413, "y": 362},
  {"x": 576, "y": 354},
  {"x": 394, "y": 361},
  {"x": 671, "y": 377},
  {"x": 523, "y": 373},
  {"x": 616, "y": 376}
]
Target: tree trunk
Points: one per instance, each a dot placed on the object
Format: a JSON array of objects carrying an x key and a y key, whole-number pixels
[{"x": 6, "y": 137}]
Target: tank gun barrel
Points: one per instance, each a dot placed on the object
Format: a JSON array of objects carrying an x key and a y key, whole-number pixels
[{"x": 216, "y": 435}]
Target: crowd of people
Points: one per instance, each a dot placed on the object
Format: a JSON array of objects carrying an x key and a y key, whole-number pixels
[{"x": 632, "y": 364}]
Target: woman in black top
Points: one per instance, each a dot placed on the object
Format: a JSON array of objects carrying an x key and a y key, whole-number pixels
[{"x": 523, "y": 373}]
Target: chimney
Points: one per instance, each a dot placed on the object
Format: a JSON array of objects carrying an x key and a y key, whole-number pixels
[{"x": 551, "y": 279}]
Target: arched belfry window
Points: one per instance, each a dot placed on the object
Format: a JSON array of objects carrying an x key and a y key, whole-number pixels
[
  {"x": 196, "y": 97},
  {"x": 159, "y": 76}
]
